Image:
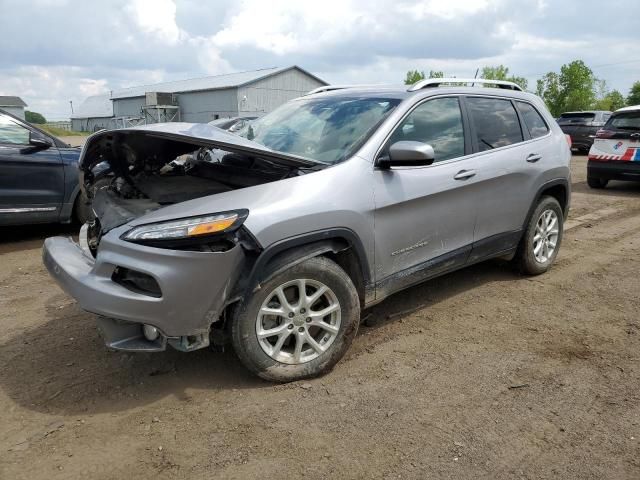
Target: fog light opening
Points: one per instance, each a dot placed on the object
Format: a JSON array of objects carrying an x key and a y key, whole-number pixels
[{"x": 150, "y": 332}]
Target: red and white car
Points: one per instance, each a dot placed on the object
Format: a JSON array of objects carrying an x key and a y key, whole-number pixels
[{"x": 615, "y": 154}]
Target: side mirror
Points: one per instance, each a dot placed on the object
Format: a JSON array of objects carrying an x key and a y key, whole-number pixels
[
  {"x": 407, "y": 154},
  {"x": 39, "y": 142}
]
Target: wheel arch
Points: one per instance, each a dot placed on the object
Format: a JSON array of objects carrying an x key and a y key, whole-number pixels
[
  {"x": 558, "y": 189},
  {"x": 341, "y": 245}
]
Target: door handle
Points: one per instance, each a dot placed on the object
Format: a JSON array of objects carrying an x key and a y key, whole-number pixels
[
  {"x": 464, "y": 174},
  {"x": 534, "y": 157}
]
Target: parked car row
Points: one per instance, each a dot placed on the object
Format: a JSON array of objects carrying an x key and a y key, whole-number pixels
[
  {"x": 582, "y": 127},
  {"x": 615, "y": 154},
  {"x": 612, "y": 140}
]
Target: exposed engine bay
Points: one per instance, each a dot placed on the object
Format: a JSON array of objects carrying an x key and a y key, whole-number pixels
[{"x": 127, "y": 174}]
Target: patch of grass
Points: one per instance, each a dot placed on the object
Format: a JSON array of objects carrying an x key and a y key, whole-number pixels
[{"x": 61, "y": 132}]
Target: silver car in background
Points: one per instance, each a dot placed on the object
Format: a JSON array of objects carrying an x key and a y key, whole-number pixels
[{"x": 322, "y": 208}]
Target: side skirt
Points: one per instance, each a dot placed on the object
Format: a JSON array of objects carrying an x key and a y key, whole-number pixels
[{"x": 503, "y": 244}]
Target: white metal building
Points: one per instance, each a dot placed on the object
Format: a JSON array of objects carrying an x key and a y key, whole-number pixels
[
  {"x": 196, "y": 100},
  {"x": 13, "y": 105}
]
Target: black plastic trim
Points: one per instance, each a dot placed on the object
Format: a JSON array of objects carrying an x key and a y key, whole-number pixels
[
  {"x": 494, "y": 245},
  {"x": 322, "y": 244},
  {"x": 491, "y": 247},
  {"x": 552, "y": 183},
  {"x": 422, "y": 272}
]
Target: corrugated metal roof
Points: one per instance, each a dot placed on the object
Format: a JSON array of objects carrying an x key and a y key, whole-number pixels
[
  {"x": 204, "y": 83},
  {"x": 102, "y": 106},
  {"x": 96, "y": 106},
  {"x": 11, "y": 101}
]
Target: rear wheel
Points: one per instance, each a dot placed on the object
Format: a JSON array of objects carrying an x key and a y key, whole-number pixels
[
  {"x": 299, "y": 323},
  {"x": 542, "y": 237},
  {"x": 595, "y": 182}
]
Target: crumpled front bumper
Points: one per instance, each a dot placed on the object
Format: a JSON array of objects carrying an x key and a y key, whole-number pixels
[{"x": 194, "y": 286}]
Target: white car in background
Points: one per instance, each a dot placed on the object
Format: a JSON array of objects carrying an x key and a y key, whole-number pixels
[{"x": 615, "y": 154}]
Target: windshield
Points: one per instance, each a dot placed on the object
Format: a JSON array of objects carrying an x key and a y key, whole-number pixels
[
  {"x": 327, "y": 130},
  {"x": 625, "y": 121}
]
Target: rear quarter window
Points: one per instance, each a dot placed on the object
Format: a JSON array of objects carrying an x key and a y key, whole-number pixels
[
  {"x": 624, "y": 121},
  {"x": 532, "y": 120},
  {"x": 496, "y": 122}
]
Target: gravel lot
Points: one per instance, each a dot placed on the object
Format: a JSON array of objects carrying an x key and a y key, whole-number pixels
[{"x": 479, "y": 374}]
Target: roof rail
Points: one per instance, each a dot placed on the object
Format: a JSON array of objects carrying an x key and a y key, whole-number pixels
[
  {"x": 329, "y": 88},
  {"x": 436, "y": 82}
]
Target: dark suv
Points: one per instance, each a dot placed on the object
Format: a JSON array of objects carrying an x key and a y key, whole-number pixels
[
  {"x": 38, "y": 176},
  {"x": 582, "y": 127}
]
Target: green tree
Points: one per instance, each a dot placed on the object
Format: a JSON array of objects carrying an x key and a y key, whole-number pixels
[
  {"x": 34, "y": 117},
  {"x": 634, "y": 94},
  {"x": 612, "y": 101},
  {"x": 548, "y": 87},
  {"x": 578, "y": 85},
  {"x": 500, "y": 72},
  {"x": 414, "y": 76},
  {"x": 573, "y": 89}
]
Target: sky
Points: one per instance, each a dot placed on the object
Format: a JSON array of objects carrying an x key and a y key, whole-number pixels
[{"x": 57, "y": 51}]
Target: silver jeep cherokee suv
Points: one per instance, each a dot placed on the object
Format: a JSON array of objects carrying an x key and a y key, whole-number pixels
[{"x": 279, "y": 236}]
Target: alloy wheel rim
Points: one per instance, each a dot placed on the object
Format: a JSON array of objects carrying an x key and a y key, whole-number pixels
[
  {"x": 298, "y": 321},
  {"x": 545, "y": 239}
]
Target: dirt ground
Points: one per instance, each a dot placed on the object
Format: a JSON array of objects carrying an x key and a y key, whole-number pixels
[
  {"x": 74, "y": 141},
  {"x": 480, "y": 374}
]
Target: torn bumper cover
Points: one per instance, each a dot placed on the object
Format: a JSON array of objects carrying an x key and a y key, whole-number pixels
[{"x": 178, "y": 292}]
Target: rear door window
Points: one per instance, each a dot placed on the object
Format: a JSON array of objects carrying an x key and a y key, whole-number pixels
[
  {"x": 532, "y": 119},
  {"x": 496, "y": 122}
]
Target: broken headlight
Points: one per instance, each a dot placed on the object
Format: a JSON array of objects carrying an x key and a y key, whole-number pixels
[{"x": 193, "y": 228}]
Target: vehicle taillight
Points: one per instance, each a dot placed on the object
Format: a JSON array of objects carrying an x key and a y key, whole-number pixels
[
  {"x": 602, "y": 133},
  {"x": 568, "y": 137}
]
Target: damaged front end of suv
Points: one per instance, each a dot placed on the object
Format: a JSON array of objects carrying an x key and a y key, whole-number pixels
[{"x": 142, "y": 265}]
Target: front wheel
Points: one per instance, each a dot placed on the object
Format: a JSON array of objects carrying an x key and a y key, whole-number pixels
[
  {"x": 299, "y": 323},
  {"x": 542, "y": 237}
]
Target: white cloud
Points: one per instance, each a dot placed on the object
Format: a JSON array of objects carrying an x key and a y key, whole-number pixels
[
  {"x": 284, "y": 27},
  {"x": 446, "y": 9},
  {"x": 156, "y": 17},
  {"x": 77, "y": 48}
]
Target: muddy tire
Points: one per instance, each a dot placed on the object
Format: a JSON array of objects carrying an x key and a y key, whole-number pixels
[
  {"x": 542, "y": 238},
  {"x": 283, "y": 336},
  {"x": 595, "y": 182},
  {"x": 82, "y": 212}
]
